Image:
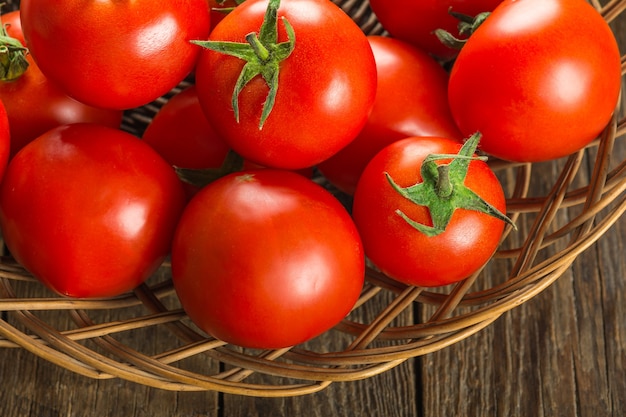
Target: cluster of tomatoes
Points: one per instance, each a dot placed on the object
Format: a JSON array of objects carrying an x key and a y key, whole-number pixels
[{"x": 222, "y": 178}]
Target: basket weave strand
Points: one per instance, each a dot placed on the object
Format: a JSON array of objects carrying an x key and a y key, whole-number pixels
[{"x": 558, "y": 218}]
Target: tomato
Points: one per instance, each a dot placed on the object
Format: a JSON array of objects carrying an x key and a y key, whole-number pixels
[
  {"x": 539, "y": 79},
  {"x": 5, "y": 139},
  {"x": 326, "y": 84},
  {"x": 181, "y": 134},
  {"x": 89, "y": 210},
  {"x": 35, "y": 105},
  {"x": 410, "y": 255},
  {"x": 415, "y": 21},
  {"x": 411, "y": 100},
  {"x": 266, "y": 259},
  {"x": 115, "y": 54}
]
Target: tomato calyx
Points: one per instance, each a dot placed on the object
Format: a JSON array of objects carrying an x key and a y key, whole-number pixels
[
  {"x": 467, "y": 25},
  {"x": 263, "y": 55},
  {"x": 443, "y": 191},
  {"x": 13, "y": 61},
  {"x": 201, "y": 177}
]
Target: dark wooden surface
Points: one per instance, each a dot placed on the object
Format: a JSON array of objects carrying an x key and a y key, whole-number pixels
[{"x": 563, "y": 353}]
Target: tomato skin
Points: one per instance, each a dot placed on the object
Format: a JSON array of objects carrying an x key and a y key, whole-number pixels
[
  {"x": 5, "y": 140},
  {"x": 414, "y": 21},
  {"x": 536, "y": 89},
  {"x": 266, "y": 259},
  {"x": 116, "y": 55},
  {"x": 182, "y": 135},
  {"x": 89, "y": 210},
  {"x": 326, "y": 87},
  {"x": 35, "y": 105},
  {"x": 411, "y": 100},
  {"x": 401, "y": 251}
]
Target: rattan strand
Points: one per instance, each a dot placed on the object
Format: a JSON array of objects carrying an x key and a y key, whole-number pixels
[{"x": 559, "y": 224}]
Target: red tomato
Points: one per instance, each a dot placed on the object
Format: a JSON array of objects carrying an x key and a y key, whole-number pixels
[
  {"x": 266, "y": 259},
  {"x": 326, "y": 86},
  {"x": 535, "y": 88},
  {"x": 409, "y": 255},
  {"x": 35, "y": 105},
  {"x": 5, "y": 140},
  {"x": 414, "y": 21},
  {"x": 89, "y": 210},
  {"x": 411, "y": 100},
  {"x": 115, "y": 54},
  {"x": 181, "y": 134}
]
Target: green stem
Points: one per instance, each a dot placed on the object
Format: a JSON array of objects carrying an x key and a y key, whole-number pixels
[
  {"x": 466, "y": 27},
  {"x": 444, "y": 186},
  {"x": 201, "y": 177},
  {"x": 443, "y": 190},
  {"x": 263, "y": 55},
  {"x": 259, "y": 49}
]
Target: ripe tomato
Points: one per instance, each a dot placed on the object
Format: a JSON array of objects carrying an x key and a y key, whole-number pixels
[
  {"x": 89, "y": 210},
  {"x": 115, "y": 54},
  {"x": 266, "y": 259},
  {"x": 410, "y": 255},
  {"x": 5, "y": 139},
  {"x": 181, "y": 134},
  {"x": 326, "y": 85},
  {"x": 411, "y": 100},
  {"x": 35, "y": 105},
  {"x": 536, "y": 88},
  {"x": 415, "y": 21}
]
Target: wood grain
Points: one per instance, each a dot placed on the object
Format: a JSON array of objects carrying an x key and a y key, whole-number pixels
[{"x": 562, "y": 353}]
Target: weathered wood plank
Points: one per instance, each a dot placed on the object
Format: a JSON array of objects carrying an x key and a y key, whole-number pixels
[{"x": 33, "y": 387}]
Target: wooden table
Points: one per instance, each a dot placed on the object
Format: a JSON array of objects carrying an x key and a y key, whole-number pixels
[{"x": 563, "y": 353}]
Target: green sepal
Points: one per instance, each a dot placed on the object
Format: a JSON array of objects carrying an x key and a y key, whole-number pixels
[
  {"x": 13, "y": 62},
  {"x": 467, "y": 26},
  {"x": 443, "y": 191},
  {"x": 201, "y": 177},
  {"x": 263, "y": 55}
]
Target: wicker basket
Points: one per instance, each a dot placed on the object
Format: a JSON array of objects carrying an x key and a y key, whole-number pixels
[{"x": 145, "y": 336}]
